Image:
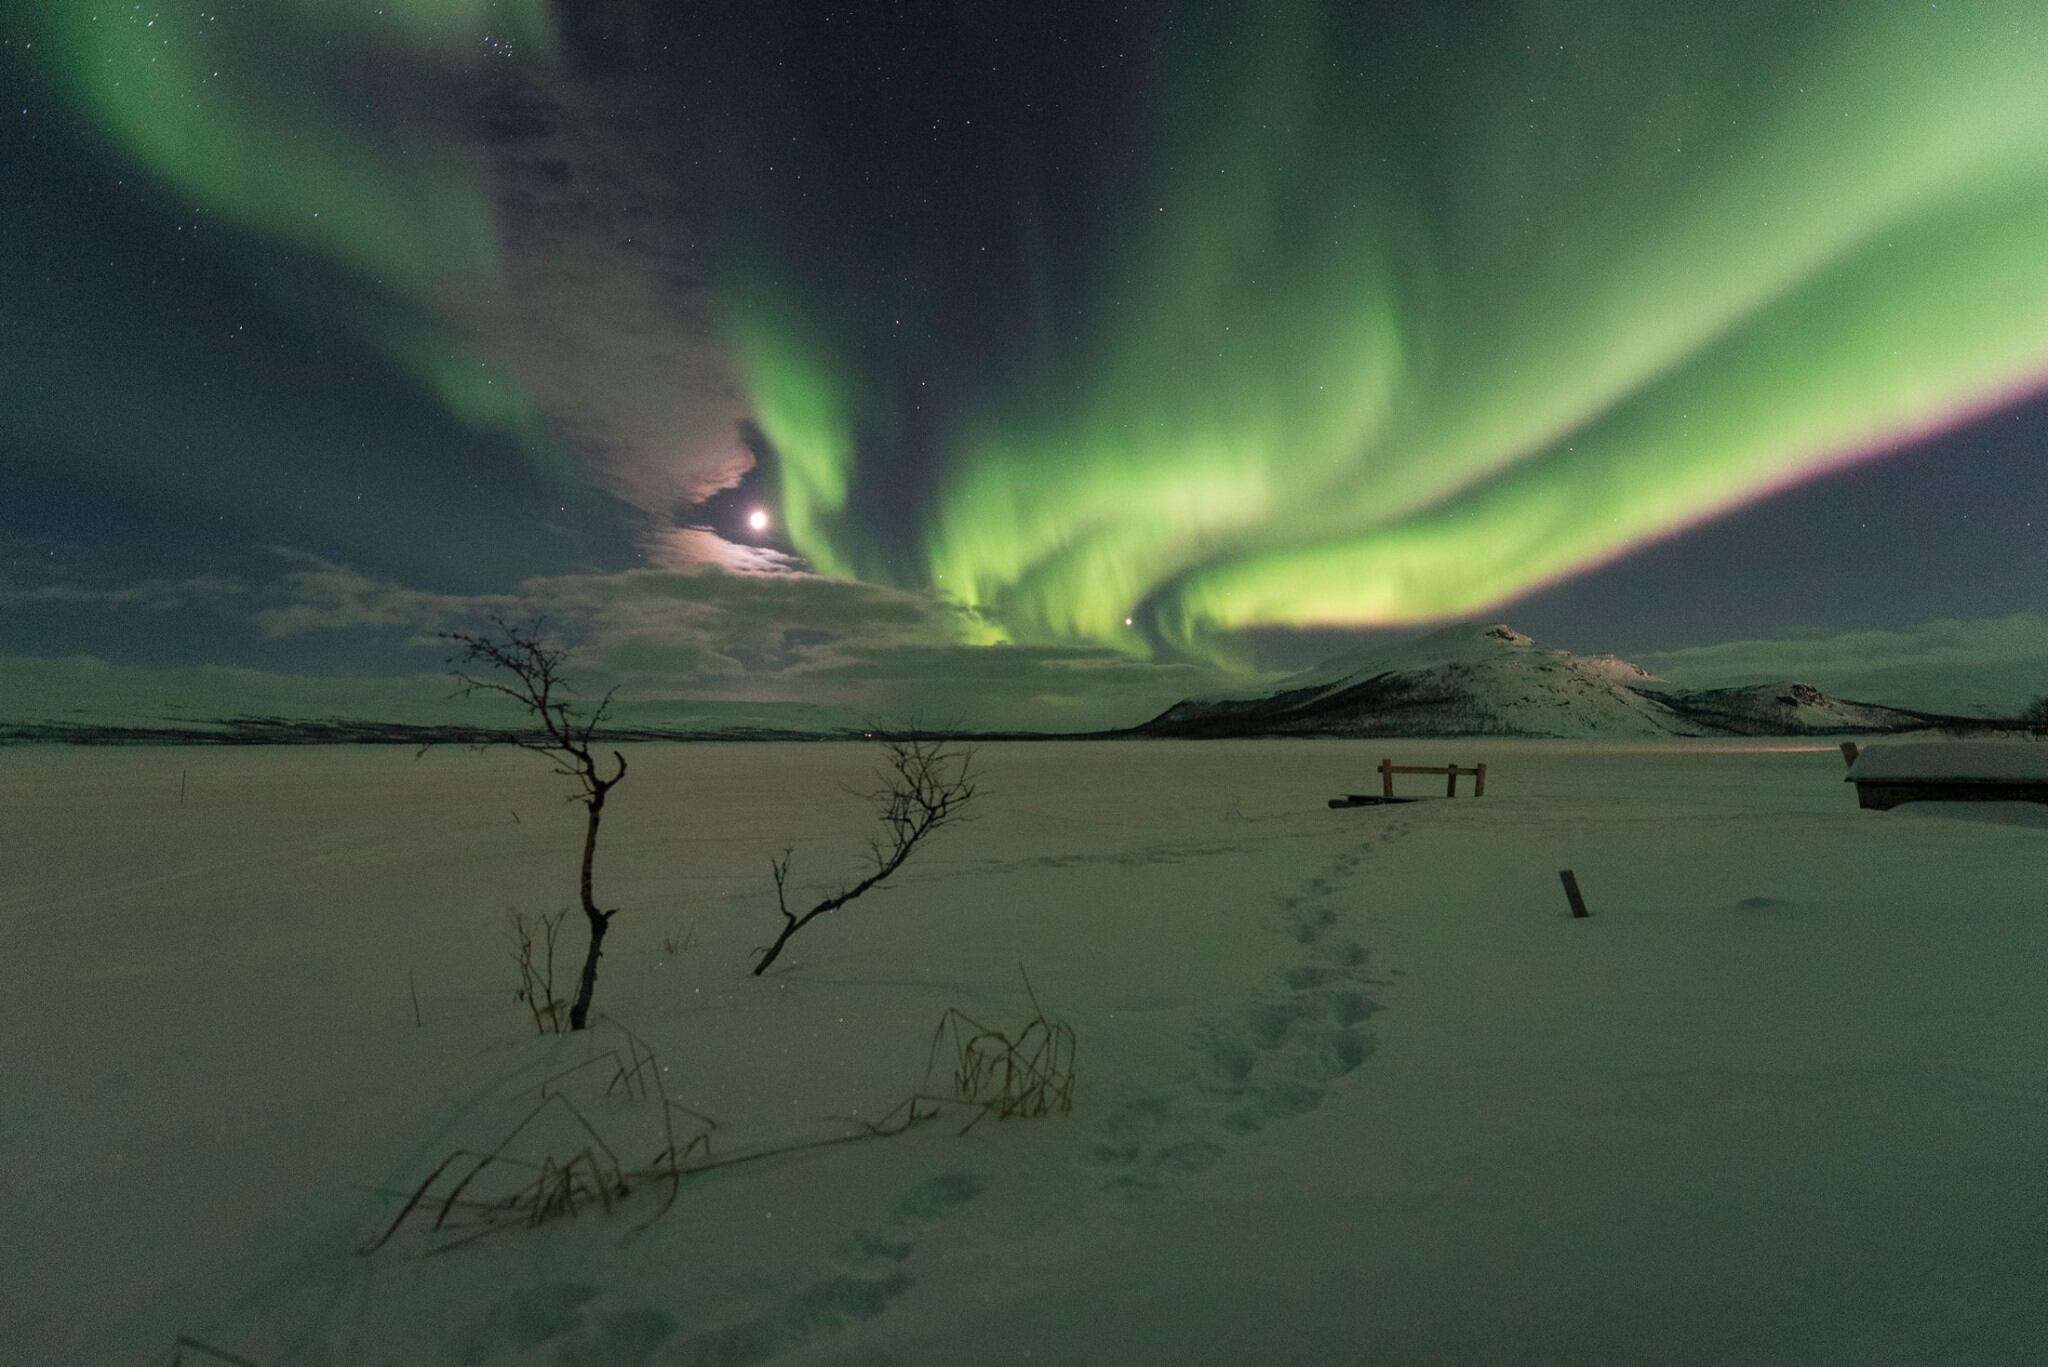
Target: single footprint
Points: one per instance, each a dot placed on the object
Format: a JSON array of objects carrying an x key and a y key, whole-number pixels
[
  {"x": 937, "y": 1196},
  {"x": 519, "y": 1322},
  {"x": 1271, "y": 1021},
  {"x": 628, "y": 1338},
  {"x": 1139, "y": 1115},
  {"x": 1349, "y": 1008},
  {"x": 1114, "y": 1155},
  {"x": 1309, "y": 925},
  {"x": 1196, "y": 1155},
  {"x": 824, "y": 1307},
  {"x": 1308, "y": 977},
  {"x": 1231, "y": 1058},
  {"x": 1349, "y": 953},
  {"x": 1341, "y": 1051}
]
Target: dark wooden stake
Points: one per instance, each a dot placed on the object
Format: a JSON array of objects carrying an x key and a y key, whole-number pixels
[
  {"x": 1849, "y": 753},
  {"x": 1571, "y": 891}
]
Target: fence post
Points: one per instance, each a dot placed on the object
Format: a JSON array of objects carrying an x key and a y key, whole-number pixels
[
  {"x": 1479, "y": 782},
  {"x": 1571, "y": 892},
  {"x": 1387, "y": 778},
  {"x": 1451, "y": 775}
]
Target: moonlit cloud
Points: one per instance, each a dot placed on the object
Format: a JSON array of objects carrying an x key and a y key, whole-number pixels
[
  {"x": 612, "y": 322},
  {"x": 678, "y": 640},
  {"x": 694, "y": 548}
]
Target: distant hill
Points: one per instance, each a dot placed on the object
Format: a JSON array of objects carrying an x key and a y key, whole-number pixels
[
  {"x": 354, "y": 731},
  {"x": 84, "y": 701},
  {"x": 1489, "y": 679}
]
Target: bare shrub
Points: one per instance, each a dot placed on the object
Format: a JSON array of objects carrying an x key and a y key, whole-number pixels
[
  {"x": 1026, "y": 1076},
  {"x": 524, "y": 667},
  {"x": 533, "y": 949},
  {"x": 925, "y": 784},
  {"x": 555, "y": 1162},
  {"x": 1023, "y": 1076}
]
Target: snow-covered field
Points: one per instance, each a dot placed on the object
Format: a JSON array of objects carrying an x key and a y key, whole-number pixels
[{"x": 1352, "y": 1085}]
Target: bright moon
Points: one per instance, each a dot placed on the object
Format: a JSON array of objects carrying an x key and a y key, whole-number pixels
[{"x": 758, "y": 520}]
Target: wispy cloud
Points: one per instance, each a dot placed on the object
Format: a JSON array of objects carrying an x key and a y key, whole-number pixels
[
  {"x": 610, "y": 322},
  {"x": 318, "y": 595},
  {"x": 164, "y": 595},
  {"x": 680, "y": 640},
  {"x": 695, "y": 548}
]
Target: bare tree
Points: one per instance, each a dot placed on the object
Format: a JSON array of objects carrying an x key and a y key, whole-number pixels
[
  {"x": 525, "y": 668},
  {"x": 926, "y": 783},
  {"x": 2035, "y": 714}
]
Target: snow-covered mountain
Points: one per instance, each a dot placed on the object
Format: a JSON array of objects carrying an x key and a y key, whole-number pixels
[{"x": 1489, "y": 679}]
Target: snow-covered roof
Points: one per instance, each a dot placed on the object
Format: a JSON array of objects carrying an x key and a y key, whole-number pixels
[{"x": 1984, "y": 761}]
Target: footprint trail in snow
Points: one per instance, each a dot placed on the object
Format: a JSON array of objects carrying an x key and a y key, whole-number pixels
[
  {"x": 573, "y": 1322},
  {"x": 1297, "y": 1035}
]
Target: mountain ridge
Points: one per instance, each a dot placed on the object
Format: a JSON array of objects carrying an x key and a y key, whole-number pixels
[{"x": 1486, "y": 678}]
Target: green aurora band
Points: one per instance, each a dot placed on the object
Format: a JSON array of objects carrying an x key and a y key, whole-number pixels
[
  {"x": 322, "y": 125},
  {"x": 1370, "y": 315},
  {"x": 1396, "y": 329}
]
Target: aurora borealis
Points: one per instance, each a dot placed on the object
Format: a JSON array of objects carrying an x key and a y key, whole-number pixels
[
  {"x": 192, "y": 93},
  {"x": 1153, "y": 329},
  {"x": 1392, "y": 322}
]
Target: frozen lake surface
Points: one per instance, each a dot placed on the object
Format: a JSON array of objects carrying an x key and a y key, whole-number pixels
[{"x": 1352, "y": 1085}]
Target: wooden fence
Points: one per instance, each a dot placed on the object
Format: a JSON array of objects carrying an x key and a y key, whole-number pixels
[{"x": 1451, "y": 773}]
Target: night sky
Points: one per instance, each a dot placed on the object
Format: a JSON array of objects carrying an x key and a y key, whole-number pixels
[{"x": 1154, "y": 343}]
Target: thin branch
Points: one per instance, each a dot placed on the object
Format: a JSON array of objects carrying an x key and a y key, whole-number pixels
[{"x": 925, "y": 786}]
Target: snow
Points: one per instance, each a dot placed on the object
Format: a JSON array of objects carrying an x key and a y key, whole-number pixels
[
  {"x": 1461, "y": 643},
  {"x": 1352, "y": 1084},
  {"x": 1987, "y": 761},
  {"x": 1614, "y": 667}
]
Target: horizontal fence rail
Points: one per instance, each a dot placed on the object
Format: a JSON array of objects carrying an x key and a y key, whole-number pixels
[{"x": 1451, "y": 773}]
